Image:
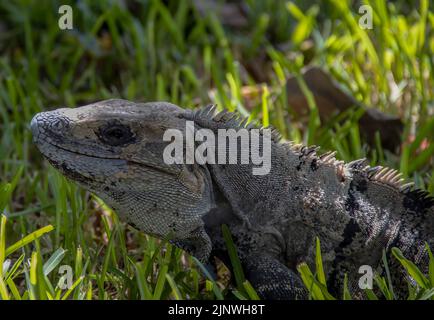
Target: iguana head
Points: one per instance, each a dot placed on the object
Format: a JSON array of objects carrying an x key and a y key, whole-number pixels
[{"x": 114, "y": 148}]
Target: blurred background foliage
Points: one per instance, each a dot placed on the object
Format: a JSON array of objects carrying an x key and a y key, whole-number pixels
[{"x": 370, "y": 92}]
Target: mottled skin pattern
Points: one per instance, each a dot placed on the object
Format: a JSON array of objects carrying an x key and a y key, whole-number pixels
[{"x": 114, "y": 148}]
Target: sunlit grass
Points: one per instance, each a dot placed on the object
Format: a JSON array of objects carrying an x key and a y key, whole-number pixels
[{"x": 172, "y": 52}]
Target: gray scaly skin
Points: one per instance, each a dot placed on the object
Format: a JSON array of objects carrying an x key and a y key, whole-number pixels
[{"x": 114, "y": 148}]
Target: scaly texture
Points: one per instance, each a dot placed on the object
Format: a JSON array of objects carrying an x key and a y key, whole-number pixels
[{"x": 115, "y": 148}]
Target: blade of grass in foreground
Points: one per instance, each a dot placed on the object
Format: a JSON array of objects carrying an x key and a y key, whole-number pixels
[
  {"x": 411, "y": 268},
  {"x": 215, "y": 287},
  {"x": 161, "y": 279},
  {"x": 318, "y": 262},
  {"x": 3, "y": 290},
  {"x": 235, "y": 260},
  {"x": 2, "y": 242},
  {"x": 431, "y": 264},
  {"x": 53, "y": 261},
  {"x": 29, "y": 238},
  {"x": 175, "y": 290},
  {"x": 250, "y": 290},
  {"x": 143, "y": 286}
]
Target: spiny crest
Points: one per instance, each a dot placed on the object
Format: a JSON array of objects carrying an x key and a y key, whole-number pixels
[
  {"x": 393, "y": 178},
  {"x": 305, "y": 152},
  {"x": 231, "y": 120},
  {"x": 310, "y": 153},
  {"x": 378, "y": 174}
]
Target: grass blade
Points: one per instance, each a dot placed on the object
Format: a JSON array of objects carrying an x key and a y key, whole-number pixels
[{"x": 29, "y": 238}]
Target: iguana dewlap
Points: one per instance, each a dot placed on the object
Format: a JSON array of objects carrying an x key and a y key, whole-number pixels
[{"x": 115, "y": 148}]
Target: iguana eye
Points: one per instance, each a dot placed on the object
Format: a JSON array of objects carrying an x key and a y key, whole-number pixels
[{"x": 115, "y": 134}]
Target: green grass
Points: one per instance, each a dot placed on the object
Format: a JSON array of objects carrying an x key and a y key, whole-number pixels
[{"x": 157, "y": 51}]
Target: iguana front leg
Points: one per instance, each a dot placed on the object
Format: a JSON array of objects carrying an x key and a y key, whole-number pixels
[{"x": 273, "y": 280}]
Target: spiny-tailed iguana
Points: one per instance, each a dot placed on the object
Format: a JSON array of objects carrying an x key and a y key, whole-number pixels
[{"x": 115, "y": 148}]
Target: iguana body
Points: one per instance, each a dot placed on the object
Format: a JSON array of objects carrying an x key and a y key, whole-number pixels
[{"x": 114, "y": 148}]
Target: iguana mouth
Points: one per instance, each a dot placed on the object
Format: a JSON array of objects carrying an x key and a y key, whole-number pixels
[
  {"x": 86, "y": 154},
  {"x": 63, "y": 166}
]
